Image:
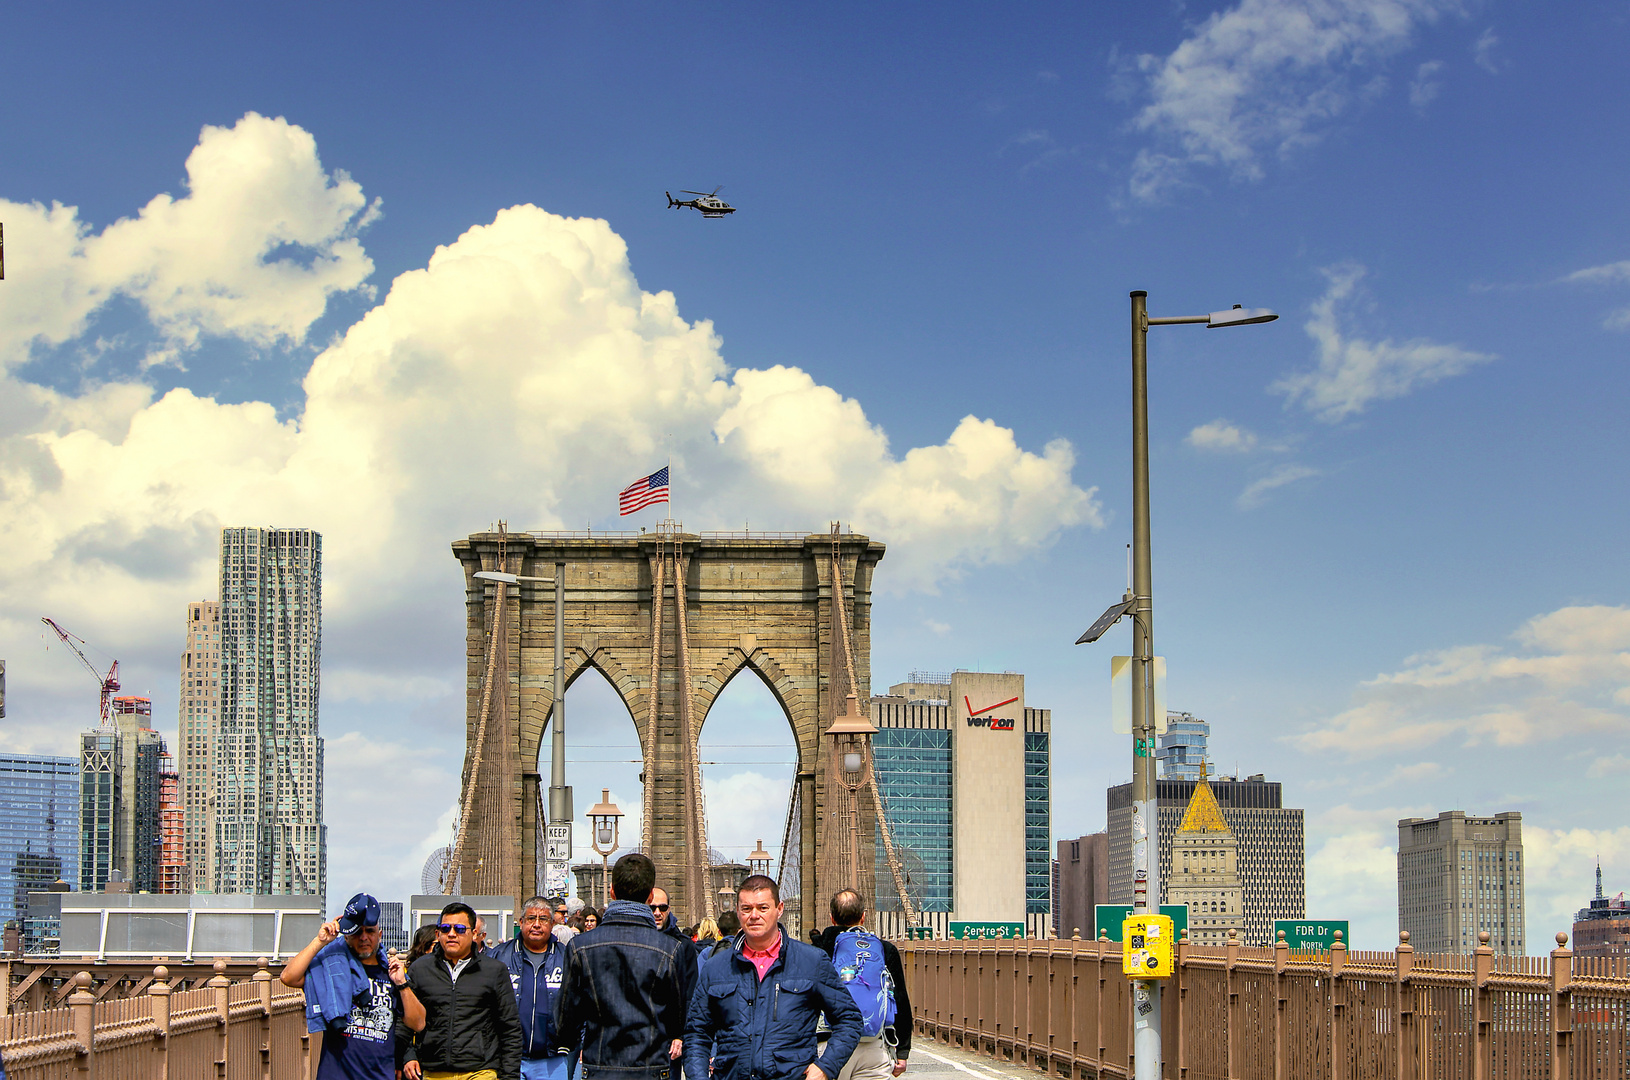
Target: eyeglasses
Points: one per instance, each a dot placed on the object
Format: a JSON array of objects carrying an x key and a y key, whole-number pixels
[
  {"x": 453, "y": 928},
  {"x": 536, "y": 919},
  {"x": 659, "y": 907}
]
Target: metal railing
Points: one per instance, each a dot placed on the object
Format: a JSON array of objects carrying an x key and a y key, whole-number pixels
[
  {"x": 251, "y": 1028},
  {"x": 1235, "y": 1013}
]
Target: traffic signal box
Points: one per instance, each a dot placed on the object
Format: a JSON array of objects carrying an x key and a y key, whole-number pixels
[{"x": 1149, "y": 947}]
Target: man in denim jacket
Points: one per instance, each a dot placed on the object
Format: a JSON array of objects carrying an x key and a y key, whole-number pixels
[
  {"x": 622, "y": 998},
  {"x": 754, "y": 1012}
]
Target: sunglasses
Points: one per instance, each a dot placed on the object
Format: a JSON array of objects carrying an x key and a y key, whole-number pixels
[
  {"x": 453, "y": 928},
  {"x": 659, "y": 907}
]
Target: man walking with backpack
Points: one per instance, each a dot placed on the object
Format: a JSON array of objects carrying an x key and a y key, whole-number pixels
[{"x": 870, "y": 969}]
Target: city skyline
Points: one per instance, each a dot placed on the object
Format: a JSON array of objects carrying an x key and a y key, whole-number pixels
[{"x": 328, "y": 290}]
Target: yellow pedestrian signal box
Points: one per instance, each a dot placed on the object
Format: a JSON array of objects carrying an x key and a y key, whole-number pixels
[{"x": 1149, "y": 948}]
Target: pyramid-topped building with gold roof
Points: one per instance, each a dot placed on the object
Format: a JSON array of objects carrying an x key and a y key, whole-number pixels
[
  {"x": 1205, "y": 870},
  {"x": 1203, "y": 814}
]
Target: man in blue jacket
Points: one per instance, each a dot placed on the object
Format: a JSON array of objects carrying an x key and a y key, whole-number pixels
[
  {"x": 536, "y": 962},
  {"x": 755, "y": 1008}
]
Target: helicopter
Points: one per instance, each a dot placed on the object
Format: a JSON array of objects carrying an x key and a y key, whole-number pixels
[{"x": 707, "y": 202}]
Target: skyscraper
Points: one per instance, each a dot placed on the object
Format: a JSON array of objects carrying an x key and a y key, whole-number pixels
[
  {"x": 199, "y": 708},
  {"x": 140, "y": 751},
  {"x": 266, "y": 755},
  {"x": 39, "y": 827},
  {"x": 968, "y": 796},
  {"x": 1271, "y": 854},
  {"x": 1459, "y": 876},
  {"x": 1181, "y": 751},
  {"x": 101, "y": 798}
]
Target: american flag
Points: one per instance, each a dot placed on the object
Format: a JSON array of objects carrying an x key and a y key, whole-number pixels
[{"x": 643, "y": 492}]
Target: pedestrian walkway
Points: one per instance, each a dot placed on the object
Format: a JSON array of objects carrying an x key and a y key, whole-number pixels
[{"x": 953, "y": 1063}]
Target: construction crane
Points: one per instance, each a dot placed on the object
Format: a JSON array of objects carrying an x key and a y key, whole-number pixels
[{"x": 109, "y": 682}]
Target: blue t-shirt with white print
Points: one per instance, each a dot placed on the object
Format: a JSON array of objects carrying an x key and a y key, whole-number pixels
[{"x": 366, "y": 1049}]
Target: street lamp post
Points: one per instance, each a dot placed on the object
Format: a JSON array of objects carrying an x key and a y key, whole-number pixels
[
  {"x": 758, "y": 862},
  {"x": 850, "y": 734},
  {"x": 1140, "y": 605},
  {"x": 603, "y": 820}
]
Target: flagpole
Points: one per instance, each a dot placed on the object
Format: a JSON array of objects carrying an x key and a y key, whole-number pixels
[{"x": 671, "y": 490}]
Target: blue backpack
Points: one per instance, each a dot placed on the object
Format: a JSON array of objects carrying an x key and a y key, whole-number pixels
[{"x": 858, "y": 956}]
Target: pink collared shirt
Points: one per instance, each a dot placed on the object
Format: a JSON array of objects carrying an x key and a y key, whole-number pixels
[{"x": 761, "y": 960}]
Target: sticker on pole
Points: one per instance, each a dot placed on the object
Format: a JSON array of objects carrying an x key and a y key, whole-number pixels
[{"x": 1147, "y": 952}]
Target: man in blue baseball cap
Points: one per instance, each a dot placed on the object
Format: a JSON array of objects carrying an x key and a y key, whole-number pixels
[{"x": 351, "y": 997}]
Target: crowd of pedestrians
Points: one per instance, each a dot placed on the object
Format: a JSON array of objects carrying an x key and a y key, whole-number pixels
[{"x": 619, "y": 994}]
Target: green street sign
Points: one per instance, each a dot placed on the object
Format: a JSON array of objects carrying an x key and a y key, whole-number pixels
[
  {"x": 919, "y": 933},
  {"x": 987, "y": 931},
  {"x": 1308, "y": 935},
  {"x": 1110, "y": 916}
]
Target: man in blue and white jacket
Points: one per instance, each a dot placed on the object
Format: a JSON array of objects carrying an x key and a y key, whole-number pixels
[{"x": 536, "y": 963}]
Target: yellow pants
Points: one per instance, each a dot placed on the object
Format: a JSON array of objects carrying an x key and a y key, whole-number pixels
[{"x": 479, "y": 1074}]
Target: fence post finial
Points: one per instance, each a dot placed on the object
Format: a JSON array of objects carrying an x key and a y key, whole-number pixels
[
  {"x": 1338, "y": 955},
  {"x": 83, "y": 1003}
]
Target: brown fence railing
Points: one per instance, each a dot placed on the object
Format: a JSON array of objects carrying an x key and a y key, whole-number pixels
[
  {"x": 251, "y": 1029},
  {"x": 1235, "y": 1013}
]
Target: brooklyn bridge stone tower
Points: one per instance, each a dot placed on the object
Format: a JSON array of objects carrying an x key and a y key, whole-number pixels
[{"x": 669, "y": 618}]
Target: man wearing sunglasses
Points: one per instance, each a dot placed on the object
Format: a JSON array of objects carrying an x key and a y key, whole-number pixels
[
  {"x": 351, "y": 998},
  {"x": 472, "y": 1030},
  {"x": 626, "y": 985}
]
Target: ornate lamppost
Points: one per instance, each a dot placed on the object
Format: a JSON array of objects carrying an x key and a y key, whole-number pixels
[
  {"x": 851, "y": 735},
  {"x": 603, "y": 819}
]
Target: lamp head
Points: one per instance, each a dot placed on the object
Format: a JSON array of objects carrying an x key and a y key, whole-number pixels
[{"x": 1240, "y": 316}]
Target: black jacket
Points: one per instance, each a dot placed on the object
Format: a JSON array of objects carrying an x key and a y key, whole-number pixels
[
  {"x": 902, "y": 1000},
  {"x": 624, "y": 992},
  {"x": 470, "y": 1025}
]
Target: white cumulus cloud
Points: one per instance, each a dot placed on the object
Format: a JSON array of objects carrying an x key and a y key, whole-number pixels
[
  {"x": 254, "y": 249},
  {"x": 1222, "y": 437},
  {"x": 1568, "y": 676},
  {"x": 521, "y": 373},
  {"x": 1264, "y": 76},
  {"x": 1351, "y": 372},
  {"x": 1424, "y": 88}
]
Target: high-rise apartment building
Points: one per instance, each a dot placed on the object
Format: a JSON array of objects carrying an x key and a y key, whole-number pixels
[
  {"x": 266, "y": 754},
  {"x": 1205, "y": 871},
  {"x": 101, "y": 800},
  {"x": 39, "y": 828},
  {"x": 1458, "y": 876},
  {"x": 140, "y": 752},
  {"x": 174, "y": 877},
  {"x": 964, "y": 771},
  {"x": 1272, "y": 858},
  {"x": 1181, "y": 750},
  {"x": 199, "y": 709}
]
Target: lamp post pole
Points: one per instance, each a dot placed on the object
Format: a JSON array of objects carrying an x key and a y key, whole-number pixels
[
  {"x": 1140, "y": 605},
  {"x": 1145, "y": 808}
]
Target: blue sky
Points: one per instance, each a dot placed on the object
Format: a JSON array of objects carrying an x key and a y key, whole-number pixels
[{"x": 1388, "y": 529}]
